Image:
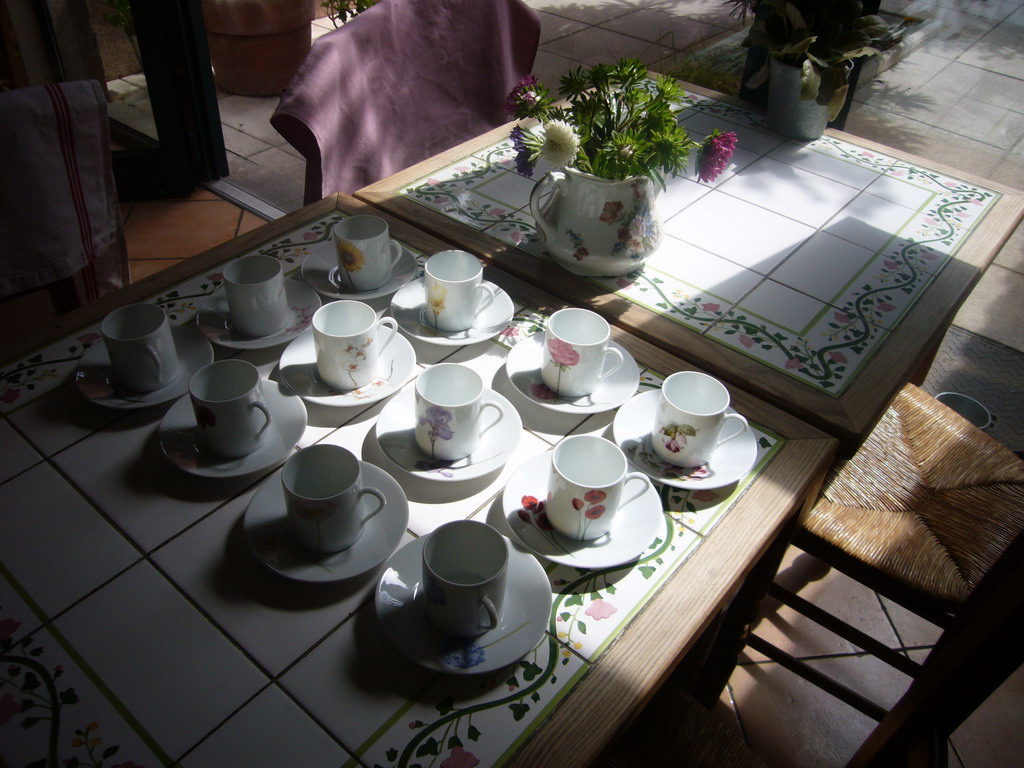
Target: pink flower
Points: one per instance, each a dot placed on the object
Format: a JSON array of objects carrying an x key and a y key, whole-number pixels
[
  {"x": 309, "y": 235},
  {"x": 595, "y": 496},
  {"x": 714, "y": 154},
  {"x": 890, "y": 264},
  {"x": 886, "y": 306},
  {"x": 89, "y": 338},
  {"x": 543, "y": 522},
  {"x": 216, "y": 277},
  {"x": 509, "y": 332},
  {"x": 594, "y": 512},
  {"x": 600, "y": 609},
  {"x": 837, "y": 357},
  {"x": 793, "y": 363},
  {"x": 8, "y": 627},
  {"x": 711, "y": 307},
  {"x": 563, "y": 353},
  {"x": 9, "y": 707},
  {"x": 841, "y": 317},
  {"x": 746, "y": 341},
  {"x": 623, "y": 282},
  {"x": 460, "y": 758}
]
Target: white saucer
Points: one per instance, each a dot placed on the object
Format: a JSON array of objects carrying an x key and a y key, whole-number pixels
[
  {"x": 408, "y": 305},
  {"x": 320, "y": 270},
  {"x": 298, "y": 369},
  {"x": 179, "y": 437},
  {"x": 214, "y": 319},
  {"x": 632, "y": 431},
  {"x": 95, "y": 376},
  {"x": 634, "y": 526},
  {"x": 403, "y": 617},
  {"x": 266, "y": 528},
  {"x": 396, "y": 435},
  {"x": 523, "y": 369}
]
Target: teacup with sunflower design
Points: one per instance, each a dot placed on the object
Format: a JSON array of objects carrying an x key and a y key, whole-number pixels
[{"x": 367, "y": 255}]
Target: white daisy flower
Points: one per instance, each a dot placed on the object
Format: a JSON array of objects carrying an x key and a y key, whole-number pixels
[{"x": 561, "y": 143}]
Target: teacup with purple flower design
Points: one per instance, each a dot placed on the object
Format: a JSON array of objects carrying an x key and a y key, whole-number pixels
[
  {"x": 576, "y": 356},
  {"x": 692, "y": 409},
  {"x": 449, "y": 411},
  {"x": 588, "y": 479}
]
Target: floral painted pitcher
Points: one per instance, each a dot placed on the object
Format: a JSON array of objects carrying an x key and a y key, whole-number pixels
[{"x": 595, "y": 226}]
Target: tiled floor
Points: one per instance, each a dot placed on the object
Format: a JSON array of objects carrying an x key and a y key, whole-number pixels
[{"x": 956, "y": 99}]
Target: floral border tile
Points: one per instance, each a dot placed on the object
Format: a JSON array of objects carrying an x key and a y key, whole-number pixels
[
  {"x": 591, "y": 608},
  {"x": 45, "y": 685},
  {"x": 479, "y": 720}
]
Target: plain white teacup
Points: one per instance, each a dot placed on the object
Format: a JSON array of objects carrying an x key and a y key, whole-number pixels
[
  {"x": 256, "y": 295},
  {"x": 348, "y": 339},
  {"x": 455, "y": 291},
  {"x": 464, "y": 567},
  {"x": 367, "y": 256},
  {"x": 449, "y": 410},
  {"x": 689, "y": 419},
  {"x": 323, "y": 491},
  {"x": 576, "y": 352},
  {"x": 585, "y": 490},
  {"x": 141, "y": 348},
  {"x": 227, "y": 398}
]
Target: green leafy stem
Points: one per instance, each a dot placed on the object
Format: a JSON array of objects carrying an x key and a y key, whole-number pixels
[{"x": 53, "y": 703}]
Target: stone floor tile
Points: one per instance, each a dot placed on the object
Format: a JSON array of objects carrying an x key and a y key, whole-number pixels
[
  {"x": 595, "y": 45},
  {"x": 284, "y": 163},
  {"x": 655, "y": 26},
  {"x": 590, "y": 13},
  {"x": 1002, "y": 288},
  {"x": 998, "y": 51},
  {"x": 242, "y": 143},
  {"x": 250, "y": 115},
  {"x": 995, "y": 732},
  {"x": 553, "y": 27}
]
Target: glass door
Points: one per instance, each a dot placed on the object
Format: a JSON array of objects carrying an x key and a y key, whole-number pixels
[{"x": 153, "y": 56}]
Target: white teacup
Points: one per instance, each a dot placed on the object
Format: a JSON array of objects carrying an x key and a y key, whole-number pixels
[
  {"x": 576, "y": 352},
  {"x": 455, "y": 291},
  {"x": 449, "y": 408},
  {"x": 588, "y": 478},
  {"x": 689, "y": 419},
  {"x": 367, "y": 256},
  {"x": 256, "y": 295},
  {"x": 141, "y": 348},
  {"x": 348, "y": 339},
  {"x": 227, "y": 397},
  {"x": 464, "y": 568},
  {"x": 323, "y": 491}
]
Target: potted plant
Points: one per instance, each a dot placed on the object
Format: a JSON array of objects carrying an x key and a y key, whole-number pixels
[
  {"x": 608, "y": 149},
  {"x": 256, "y": 46},
  {"x": 811, "y": 47}
]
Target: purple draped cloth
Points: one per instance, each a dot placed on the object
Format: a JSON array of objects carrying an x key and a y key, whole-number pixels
[
  {"x": 59, "y": 213},
  {"x": 400, "y": 82}
]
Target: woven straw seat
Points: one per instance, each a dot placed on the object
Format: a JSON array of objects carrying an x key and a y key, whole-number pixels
[{"x": 928, "y": 501}]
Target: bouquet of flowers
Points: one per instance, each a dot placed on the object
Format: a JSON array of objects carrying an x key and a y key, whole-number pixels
[{"x": 618, "y": 123}]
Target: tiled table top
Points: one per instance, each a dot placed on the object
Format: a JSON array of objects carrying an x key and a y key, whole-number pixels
[
  {"x": 137, "y": 628},
  {"x": 793, "y": 270}
]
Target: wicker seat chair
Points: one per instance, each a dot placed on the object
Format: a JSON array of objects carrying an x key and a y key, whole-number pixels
[{"x": 920, "y": 514}]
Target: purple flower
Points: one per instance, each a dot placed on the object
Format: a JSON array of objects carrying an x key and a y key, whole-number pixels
[
  {"x": 714, "y": 154},
  {"x": 523, "y": 95},
  {"x": 438, "y": 419},
  {"x": 523, "y": 165}
]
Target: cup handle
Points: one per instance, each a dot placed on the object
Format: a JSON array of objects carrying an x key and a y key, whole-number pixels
[
  {"x": 387, "y": 322},
  {"x": 379, "y": 496},
  {"x": 610, "y": 353},
  {"x": 266, "y": 415},
  {"x": 646, "y": 483},
  {"x": 744, "y": 426},
  {"x": 494, "y": 423},
  {"x": 486, "y": 294},
  {"x": 395, "y": 248},
  {"x": 492, "y": 614}
]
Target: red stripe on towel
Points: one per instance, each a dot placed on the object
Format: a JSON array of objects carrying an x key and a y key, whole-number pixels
[{"x": 62, "y": 111}]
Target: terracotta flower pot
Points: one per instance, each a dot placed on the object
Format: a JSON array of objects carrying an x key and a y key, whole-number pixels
[{"x": 256, "y": 46}]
